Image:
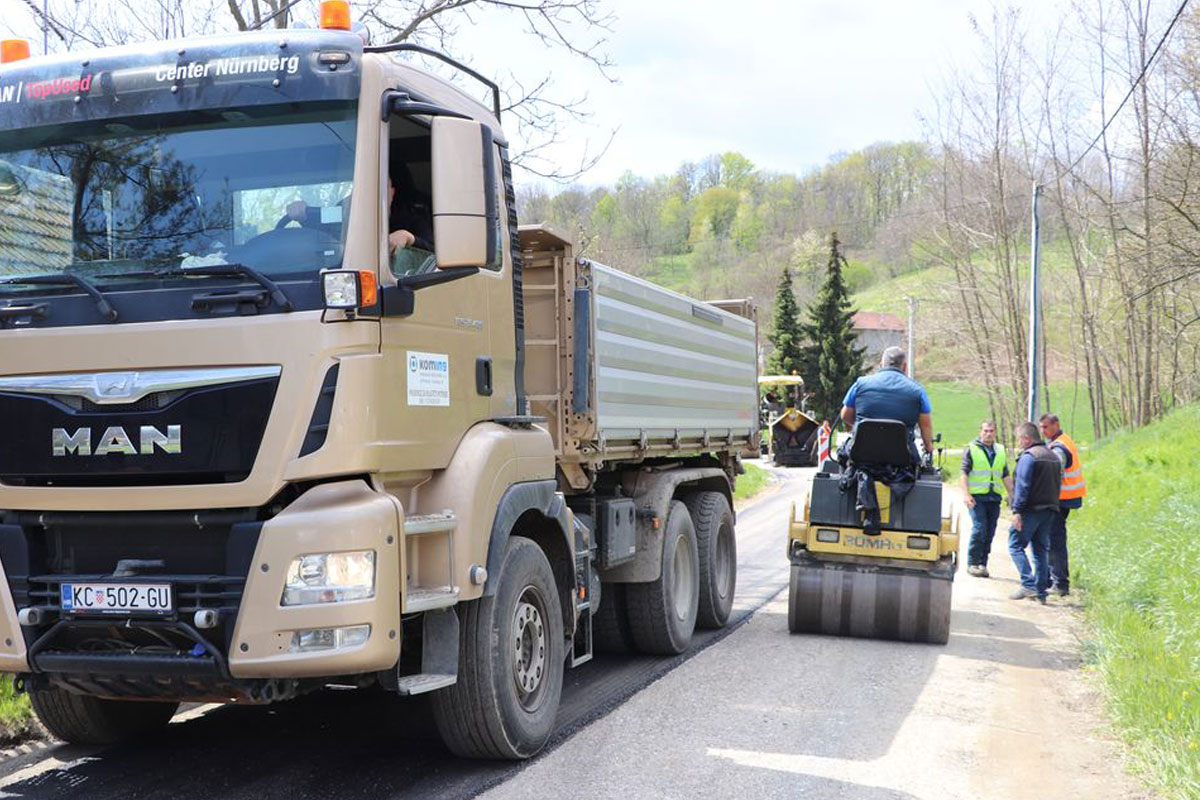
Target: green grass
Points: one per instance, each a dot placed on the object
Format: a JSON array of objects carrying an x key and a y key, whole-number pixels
[
  {"x": 751, "y": 483},
  {"x": 888, "y": 295},
  {"x": 1136, "y": 553},
  {"x": 15, "y": 713},
  {"x": 958, "y": 408}
]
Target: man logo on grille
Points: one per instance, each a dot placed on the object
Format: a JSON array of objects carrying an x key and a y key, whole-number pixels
[{"x": 115, "y": 441}]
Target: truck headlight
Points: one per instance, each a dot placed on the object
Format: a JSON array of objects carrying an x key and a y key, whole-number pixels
[
  {"x": 349, "y": 289},
  {"x": 330, "y": 578}
]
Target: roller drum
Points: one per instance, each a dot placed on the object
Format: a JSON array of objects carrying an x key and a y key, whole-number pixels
[{"x": 839, "y": 600}]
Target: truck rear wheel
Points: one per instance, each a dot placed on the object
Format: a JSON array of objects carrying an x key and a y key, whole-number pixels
[
  {"x": 81, "y": 719},
  {"x": 510, "y": 663},
  {"x": 717, "y": 550},
  {"x": 662, "y": 613},
  {"x": 610, "y": 625}
]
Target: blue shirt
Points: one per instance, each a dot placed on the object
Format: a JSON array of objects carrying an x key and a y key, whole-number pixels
[{"x": 888, "y": 394}]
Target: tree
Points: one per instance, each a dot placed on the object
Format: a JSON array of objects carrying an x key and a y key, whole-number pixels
[
  {"x": 786, "y": 333},
  {"x": 830, "y": 361}
]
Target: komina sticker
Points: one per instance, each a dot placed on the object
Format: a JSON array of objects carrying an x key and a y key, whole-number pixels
[{"x": 428, "y": 379}]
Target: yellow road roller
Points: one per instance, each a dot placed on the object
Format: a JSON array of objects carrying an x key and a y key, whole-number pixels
[{"x": 883, "y": 572}]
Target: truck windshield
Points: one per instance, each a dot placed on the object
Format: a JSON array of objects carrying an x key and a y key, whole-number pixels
[{"x": 114, "y": 200}]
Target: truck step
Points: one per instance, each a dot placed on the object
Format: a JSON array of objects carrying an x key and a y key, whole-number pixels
[
  {"x": 428, "y": 599},
  {"x": 444, "y": 522},
  {"x": 420, "y": 684}
]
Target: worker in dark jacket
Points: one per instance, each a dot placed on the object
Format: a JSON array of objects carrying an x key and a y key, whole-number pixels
[{"x": 1035, "y": 505}]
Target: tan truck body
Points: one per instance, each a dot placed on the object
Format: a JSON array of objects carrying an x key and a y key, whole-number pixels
[{"x": 594, "y": 384}]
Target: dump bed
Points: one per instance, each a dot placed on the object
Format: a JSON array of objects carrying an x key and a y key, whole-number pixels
[{"x": 622, "y": 368}]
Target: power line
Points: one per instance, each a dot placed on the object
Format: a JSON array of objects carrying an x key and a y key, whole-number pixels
[{"x": 1133, "y": 86}]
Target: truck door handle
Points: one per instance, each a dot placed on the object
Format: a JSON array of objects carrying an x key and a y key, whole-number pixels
[{"x": 483, "y": 376}]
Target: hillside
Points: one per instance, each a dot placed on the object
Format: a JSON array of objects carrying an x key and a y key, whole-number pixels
[{"x": 944, "y": 354}]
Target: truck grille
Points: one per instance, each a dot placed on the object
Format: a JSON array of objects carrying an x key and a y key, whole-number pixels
[
  {"x": 202, "y": 434},
  {"x": 204, "y": 556}
]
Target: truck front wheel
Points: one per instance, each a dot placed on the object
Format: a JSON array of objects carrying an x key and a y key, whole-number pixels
[
  {"x": 81, "y": 719},
  {"x": 662, "y": 613},
  {"x": 510, "y": 663}
]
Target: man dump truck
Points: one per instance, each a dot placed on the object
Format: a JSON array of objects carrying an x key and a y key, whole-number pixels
[
  {"x": 248, "y": 452},
  {"x": 792, "y": 432},
  {"x": 890, "y": 577}
]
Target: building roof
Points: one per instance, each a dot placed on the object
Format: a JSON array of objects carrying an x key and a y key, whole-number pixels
[{"x": 878, "y": 321}]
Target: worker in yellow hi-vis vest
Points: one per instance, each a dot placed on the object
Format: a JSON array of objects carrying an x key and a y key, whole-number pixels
[
  {"x": 985, "y": 473},
  {"x": 1071, "y": 496}
]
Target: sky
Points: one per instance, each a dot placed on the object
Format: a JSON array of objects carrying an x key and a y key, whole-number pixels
[{"x": 788, "y": 84}]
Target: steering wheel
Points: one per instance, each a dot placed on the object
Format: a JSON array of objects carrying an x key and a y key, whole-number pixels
[{"x": 289, "y": 248}]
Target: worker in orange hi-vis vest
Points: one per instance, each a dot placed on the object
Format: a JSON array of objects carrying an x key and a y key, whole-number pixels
[{"x": 1070, "y": 496}]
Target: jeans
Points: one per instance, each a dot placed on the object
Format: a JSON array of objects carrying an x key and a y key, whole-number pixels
[
  {"x": 1035, "y": 531},
  {"x": 1060, "y": 566},
  {"x": 984, "y": 516}
]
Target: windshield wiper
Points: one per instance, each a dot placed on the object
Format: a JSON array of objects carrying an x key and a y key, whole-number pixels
[
  {"x": 216, "y": 271},
  {"x": 68, "y": 279}
]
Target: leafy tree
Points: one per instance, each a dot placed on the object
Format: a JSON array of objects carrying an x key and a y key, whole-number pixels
[
  {"x": 716, "y": 209},
  {"x": 748, "y": 226},
  {"x": 737, "y": 171},
  {"x": 673, "y": 221},
  {"x": 604, "y": 214},
  {"x": 786, "y": 333},
  {"x": 830, "y": 360}
]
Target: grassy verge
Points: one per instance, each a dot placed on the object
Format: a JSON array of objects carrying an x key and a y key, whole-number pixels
[
  {"x": 1134, "y": 548},
  {"x": 958, "y": 408},
  {"x": 16, "y": 717},
  {"x": 751, "y": 483}
]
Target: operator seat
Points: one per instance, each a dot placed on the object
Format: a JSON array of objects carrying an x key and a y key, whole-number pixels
[{"x": 885, "y": 442}]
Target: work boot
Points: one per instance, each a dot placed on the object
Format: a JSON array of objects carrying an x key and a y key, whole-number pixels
[{"x": 1022, "y": 594}]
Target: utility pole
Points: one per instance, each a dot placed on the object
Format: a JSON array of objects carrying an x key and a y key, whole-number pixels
[
  {"x": 1035, "y": 308},
  {"x": 45, "y": 27},
  {"x": 912, "y": 324}
]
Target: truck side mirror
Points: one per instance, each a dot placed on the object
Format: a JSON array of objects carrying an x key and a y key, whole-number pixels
[{"x": 466, "y": 218}]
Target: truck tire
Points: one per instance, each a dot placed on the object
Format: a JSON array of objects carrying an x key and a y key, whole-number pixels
[
  {"x": 662, "y": 613},
  {"x": 717, "y": 551},
  {"x": 510, "y": 663},
  {"x": 81, "y": 719},
  {"x": 610, "y": 626}
]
